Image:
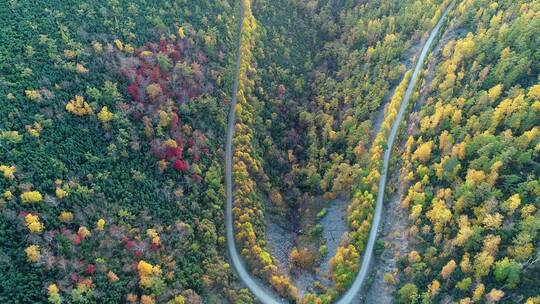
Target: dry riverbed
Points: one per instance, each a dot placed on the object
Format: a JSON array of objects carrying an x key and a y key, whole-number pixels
[{"x": 323, "y": 224}]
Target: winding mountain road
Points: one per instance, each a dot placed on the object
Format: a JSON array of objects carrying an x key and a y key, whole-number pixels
[
  {"x": 262, "y": 294},
  {"x": 350, "y": 295}
]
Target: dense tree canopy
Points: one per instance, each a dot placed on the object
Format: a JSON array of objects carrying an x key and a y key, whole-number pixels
[{"x": 112, "y": 128}]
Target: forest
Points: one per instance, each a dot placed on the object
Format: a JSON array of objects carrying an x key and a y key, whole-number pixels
[{"x": 116, "y": 117}]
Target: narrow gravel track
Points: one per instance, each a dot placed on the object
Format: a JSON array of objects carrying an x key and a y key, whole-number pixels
[
  {"x": 351, "y": 294},
  {"x": 261, "y": 292}
]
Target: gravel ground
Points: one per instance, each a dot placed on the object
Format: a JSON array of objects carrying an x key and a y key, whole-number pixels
[
  {"x": 283, "y": 233},
  {"x": 334, "y": 226},
  {"x": 280, "y": 238},
  {"x": 394, "y": 235},
  {"x": 334, "y": 229}
]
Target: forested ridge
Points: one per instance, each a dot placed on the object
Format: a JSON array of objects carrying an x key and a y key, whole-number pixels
[
  {"x": 113, "y": 125},
  {"x": 472, "y": 164}
]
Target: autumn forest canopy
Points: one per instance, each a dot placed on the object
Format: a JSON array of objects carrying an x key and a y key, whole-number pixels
[{"x": 114, "y": 129}]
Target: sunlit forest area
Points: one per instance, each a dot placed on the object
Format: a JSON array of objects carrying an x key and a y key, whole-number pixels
[{"x": 380, "y": 151}]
